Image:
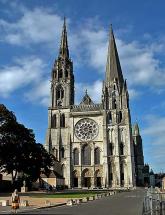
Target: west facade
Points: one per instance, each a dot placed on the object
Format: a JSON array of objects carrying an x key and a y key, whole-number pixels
[{"x": 91, "y": 142}]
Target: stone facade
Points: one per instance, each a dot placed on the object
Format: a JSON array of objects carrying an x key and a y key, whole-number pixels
[{"x": 92, "y": 142}]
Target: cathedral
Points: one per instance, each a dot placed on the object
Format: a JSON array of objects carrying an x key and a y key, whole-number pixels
[{"x": 92, "y": 142}]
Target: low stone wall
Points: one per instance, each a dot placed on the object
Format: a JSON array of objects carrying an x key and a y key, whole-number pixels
[{"x": 71, "y": 202}]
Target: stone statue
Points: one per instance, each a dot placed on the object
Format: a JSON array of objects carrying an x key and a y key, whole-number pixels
[
  {"x": 24, "y": 183},
  {"x": 24, "y": 188}
]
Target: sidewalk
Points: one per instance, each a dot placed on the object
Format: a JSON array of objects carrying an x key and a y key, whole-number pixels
[
  {"x": 34, "y": 203},
  {"x": 7, "y": 210}
]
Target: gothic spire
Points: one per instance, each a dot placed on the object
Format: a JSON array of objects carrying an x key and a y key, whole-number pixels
[
  {"x": 136, "y": 130},
  {"x": 113, "y": 68},
  {"x": 64, "y": 51}
]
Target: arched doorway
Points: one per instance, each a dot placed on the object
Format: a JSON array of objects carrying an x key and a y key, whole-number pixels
[
  {"x": 86, "y": 178},
  {"x": 75, "y": 178},
  {"x": 98, "y": 178}
]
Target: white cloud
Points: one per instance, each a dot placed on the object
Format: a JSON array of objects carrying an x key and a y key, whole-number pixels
[
  {"x": 134, "y": 93},
  {"x": 155, "y": 132},
  {"x": 156, "y": 126},
  {"x": 29, "y": 73},
  {"x": 138, "y": 61},
  {"x": 40, "y": 93},
  {"x": 94, "y": 91},
  {"x": 96, "y": 46},
  {"x": 88, "y": 45},
  {"x": 24, "y": 72},
  {"x": 140, "y": 65},
  {"x": 36, "y": 26}
]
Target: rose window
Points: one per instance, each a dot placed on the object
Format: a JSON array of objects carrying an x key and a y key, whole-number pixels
[{"x": 86, "y": 129}]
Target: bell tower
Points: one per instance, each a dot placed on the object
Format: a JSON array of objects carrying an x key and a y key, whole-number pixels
[
  {"x": 115, "y": 94},
  {"x": 62, "y": 84},
  {"x": 117, "y": 122}
]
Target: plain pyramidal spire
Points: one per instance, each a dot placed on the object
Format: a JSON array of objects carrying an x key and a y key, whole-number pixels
[
  {"x": 64, "y": 51},
  {"x": 113, "y": 68},
  {"x": 136, "y": 130}
]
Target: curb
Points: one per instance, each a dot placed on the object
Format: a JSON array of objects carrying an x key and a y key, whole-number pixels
[
  {"x": 37, "y": 208},
  {"x": 50, "y": 206}
]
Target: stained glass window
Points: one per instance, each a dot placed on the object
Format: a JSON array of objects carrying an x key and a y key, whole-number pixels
[
  {"x": 76, "y": 156},
  {"x": 86, "y": 155}
]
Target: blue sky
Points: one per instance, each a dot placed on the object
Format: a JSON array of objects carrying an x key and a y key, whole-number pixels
[{"x": 29, "y": 42}]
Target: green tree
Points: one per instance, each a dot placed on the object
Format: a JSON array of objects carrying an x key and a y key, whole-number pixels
[
  {"x": 40, "y": 161},
  {"x": 19, "y": 152}
]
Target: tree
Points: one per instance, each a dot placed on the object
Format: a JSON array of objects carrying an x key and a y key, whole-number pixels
[
  {"x": 19, "y": 152},
  {"x": 40, "y": 161},
  {"x": 8, "y": 124}
]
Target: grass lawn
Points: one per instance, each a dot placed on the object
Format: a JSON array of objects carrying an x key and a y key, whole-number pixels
[{"x": 66, "y": 195}]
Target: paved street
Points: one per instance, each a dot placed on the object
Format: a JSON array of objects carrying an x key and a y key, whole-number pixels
[{"x": 126, "y": 203}]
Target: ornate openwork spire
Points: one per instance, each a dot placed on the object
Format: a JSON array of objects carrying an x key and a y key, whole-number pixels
[
  {"x": 64, "y": 51},
  {"x": 113, "y": 68}
]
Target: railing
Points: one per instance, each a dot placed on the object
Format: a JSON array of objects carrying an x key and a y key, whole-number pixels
[
  {"x": 154, "y": 202},
  {"x": 94, "y": 107}
]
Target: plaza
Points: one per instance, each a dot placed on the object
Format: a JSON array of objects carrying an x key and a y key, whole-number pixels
[{"x": 130, "y": 203}]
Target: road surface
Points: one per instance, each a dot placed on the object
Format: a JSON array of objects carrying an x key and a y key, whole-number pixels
[{"x": 125, "y": 203}]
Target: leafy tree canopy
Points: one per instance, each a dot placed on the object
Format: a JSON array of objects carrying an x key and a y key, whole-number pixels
[{"x": 19, "y": 152}]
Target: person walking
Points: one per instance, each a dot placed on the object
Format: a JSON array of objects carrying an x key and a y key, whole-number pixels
[{"x": 15, "y": 200}]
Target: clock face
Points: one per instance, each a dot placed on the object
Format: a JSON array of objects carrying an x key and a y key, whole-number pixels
[{"x": 86, "y": 129}]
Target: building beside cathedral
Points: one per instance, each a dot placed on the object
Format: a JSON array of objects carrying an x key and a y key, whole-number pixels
[
  {"x": 91, "y": 142},
  {"x": 140, "y": 172}
]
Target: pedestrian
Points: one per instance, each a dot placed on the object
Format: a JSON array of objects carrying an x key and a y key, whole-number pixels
[{"x": 15, "y": 200}]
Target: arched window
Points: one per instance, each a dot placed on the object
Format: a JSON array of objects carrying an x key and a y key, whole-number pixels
[
  {"x": 119, "y": 116},
  {"x": 76, "y": 156},
  {"x": 60, "y": 73},
  {"x": 86, "y": 155},
  {"x": 113, "y": 103},
  {"x": 54, "y": 121},
  {"x": 97, "y": 155},
  {"x": 62, "y": 152},
  {"x": 66, "y": 73},
  {"x": 62, "y": 121},
  {"x": 60, "y": 93},
  {"x": 54, "y": 74},
  {"x": 121, "y": 149},
  {"x": 110, "y": 149},
  {"x": 109, "y": 118}
]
